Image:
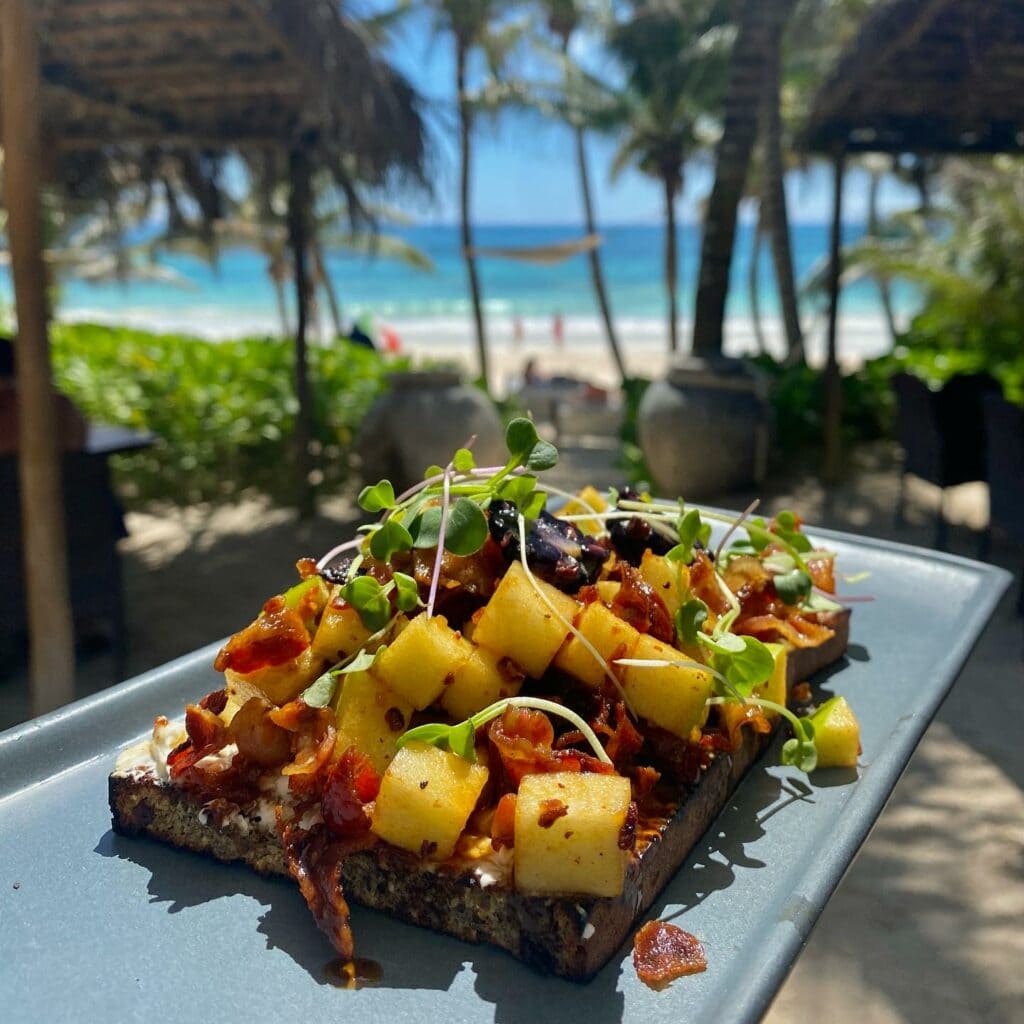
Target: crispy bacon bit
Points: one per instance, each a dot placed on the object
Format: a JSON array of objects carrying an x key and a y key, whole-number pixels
[
  {"x": 551, "y": 811},
  {"x": 751, "y": 716},
  {"x": 352, "y": 782},
  {"x": 503, "y": 825},
  {"x": 801, "y": 693},
  {"x": 206, "y": 735},
  {"x": 796, "y": 630},
  {"x": 215, "y": 702},
  {"x": 704, "y": 585},
  {"x": 315, "y": 860},
  {"x": 522, "y": 739},
  {"x": 306, "y": 567},
  {"x": 258, "y": 737},
  {"x": 644, "y": 779},
  {"x": 637, "y": 603},
  {"x": 663, "y": 952},
  {"x": 823, "y": 573},
  {"x": 627, "y": 834},
  {"x": 277, "y": 636}
]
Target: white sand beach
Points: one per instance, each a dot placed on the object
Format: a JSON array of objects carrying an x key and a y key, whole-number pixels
[{"x": 583, "y": 352}]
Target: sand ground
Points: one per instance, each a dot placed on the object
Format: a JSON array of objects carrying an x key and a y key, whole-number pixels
[{"x": 928, "y": 924}]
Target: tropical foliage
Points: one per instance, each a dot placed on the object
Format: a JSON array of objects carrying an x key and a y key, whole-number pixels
[{"x": 222, "y": 412}]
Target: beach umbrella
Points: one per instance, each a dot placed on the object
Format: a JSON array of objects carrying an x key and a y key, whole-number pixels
[{"x": 90, "y": 79}]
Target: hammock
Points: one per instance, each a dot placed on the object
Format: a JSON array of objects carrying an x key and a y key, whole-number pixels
[{"x": 545, "y": 255}]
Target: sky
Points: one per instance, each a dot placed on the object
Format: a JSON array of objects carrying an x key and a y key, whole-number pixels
[{"x": 524, "y": 166}]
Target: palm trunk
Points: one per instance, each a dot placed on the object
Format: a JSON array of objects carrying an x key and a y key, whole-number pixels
[
  {"x": 298, "y": 237},
  {"x": 596, "y": 273},
  {"x": 754, "y": 281},
  {"x": 884, "y": 290},
  {"x": 43, "y": 530},
  {"x": 671, "y": 261},
  {"x": 774, "y": 199},
  {"x": 759, "y": 25},
  {"x": 465, "y": 136},
  {"x": 332, "y": 299},
  {"x": 282, "y": 308}
]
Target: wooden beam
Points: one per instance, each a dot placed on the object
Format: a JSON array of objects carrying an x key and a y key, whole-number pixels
[
  {"x": 92, "y": 33},
  {"x": 52, "y": 651},
  {"x": 299, "y": 209},
  {"x": 832, "y": 379}
]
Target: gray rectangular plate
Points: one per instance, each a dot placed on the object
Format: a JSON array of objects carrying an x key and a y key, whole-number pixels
[{"x": 95, "y": 927}]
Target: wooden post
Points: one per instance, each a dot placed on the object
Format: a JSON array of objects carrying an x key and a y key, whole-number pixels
[
  {"x": 299, "y": 203},
  {"x": 832, "y": 380},
  {"x": 52, "y": 646}
]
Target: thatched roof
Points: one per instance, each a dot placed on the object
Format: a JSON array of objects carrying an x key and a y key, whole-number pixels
[
  {"x": 219, "y": 74},
  {"x": 928, "y": 76}
]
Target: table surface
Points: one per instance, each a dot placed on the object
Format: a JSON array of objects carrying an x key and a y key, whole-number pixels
[{"x": 97, "y": 927}]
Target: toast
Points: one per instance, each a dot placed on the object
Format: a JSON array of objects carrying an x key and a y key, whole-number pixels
[
  {"x": 492, "y": 722},
  {"x": 571, "y": 936}
]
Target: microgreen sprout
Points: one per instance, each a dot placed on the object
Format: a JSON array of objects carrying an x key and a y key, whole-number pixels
[
  {"x": 798, "y": 751},
  {"x": 372, "y": 599},
  {"x": 461, "y": 738}
]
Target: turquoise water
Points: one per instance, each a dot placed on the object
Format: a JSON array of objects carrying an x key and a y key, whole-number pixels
[{"x": 235, "y": 296}]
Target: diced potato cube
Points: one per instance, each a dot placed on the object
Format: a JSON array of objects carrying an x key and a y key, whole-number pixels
[
  {"x": 669, "y": 580},
  {"x": 775, "y": 689},
  {"x": 281, "y": 683},
  {"x": 426, "y": 798},
  {"x": 483, "y": 678},
  {"x": 369, "y": 717},
  {"x": 588, "y": 500},
  {"x": 422, "y": 660},
  {"x": 567, "y": 833},
  {"x": 607, "y": 590},
  {"x": 517, "y": 623},
  {"x": 341, "y": 632},
  {"x": 608, "y": 633},
  {"x": 836, "y": 734},
  {"x": 672, "y": 696}
]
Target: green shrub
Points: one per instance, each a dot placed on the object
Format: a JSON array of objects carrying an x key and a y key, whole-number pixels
[{"x": 222, "y": 412}]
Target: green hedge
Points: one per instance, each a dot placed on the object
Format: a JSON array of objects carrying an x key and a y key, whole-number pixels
[{"x": 223, "y": 412}]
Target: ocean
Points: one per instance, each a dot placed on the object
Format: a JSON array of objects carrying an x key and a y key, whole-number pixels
[{"x": 234, "y": 296}]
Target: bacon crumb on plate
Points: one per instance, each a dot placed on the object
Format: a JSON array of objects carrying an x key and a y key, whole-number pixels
[{"x": 663, "y": 952}]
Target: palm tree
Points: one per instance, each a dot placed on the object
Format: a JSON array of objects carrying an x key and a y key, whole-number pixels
[
  {"x": 585, "y": 103},
  {"x": 759, "y": 31},
  {"x": 674, "y": 59},
  {"x": 471, "y": 24}
]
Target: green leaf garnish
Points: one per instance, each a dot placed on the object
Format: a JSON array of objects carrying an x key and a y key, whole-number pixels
[
  {"x": 320, "y": 693},
  {"x": 800, "y": 751},
  {"x": 520, "y": 438},
  {"x": 743, "y": 661},
  {"x": 368, "y": 598},
  {"x": 377, "y": 498},
  {"x": 426, "y": 527},
  {"x": 534, "y": 505},
  {"x": 542, "y": 456},
  {"x": 517, "y": 489},
  {"x": 467, "y": 528},
  {"x": 688, "y": 529},
  {"x": 389, "y": 539},
  {"x": 793, "y": 587},
  {"x": 787, "y": 529},
  {"x": 361, "y": 662},
  {"x": 689, "y": 619},
  {"x": 433, "y": 471},
  {"x": 463, "y": 461},
  {"x": 407, "y": 592},
  {"x": 461, "y": 738}
]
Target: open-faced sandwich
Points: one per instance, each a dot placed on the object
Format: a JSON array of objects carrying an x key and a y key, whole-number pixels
[{"x": 504, "y": 723}]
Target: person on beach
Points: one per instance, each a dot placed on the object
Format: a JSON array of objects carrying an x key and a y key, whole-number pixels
[
  {"x": 517, "y": 330},
  {"x": 558, "y": 330}
]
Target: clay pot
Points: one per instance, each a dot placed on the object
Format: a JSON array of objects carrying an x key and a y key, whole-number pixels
[
  {"x": 420, "y": 421},
  {"x": 704, "y": 429}
]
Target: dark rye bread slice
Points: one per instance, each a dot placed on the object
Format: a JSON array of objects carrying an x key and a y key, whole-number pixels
[{"x": 572, "y": 936}]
